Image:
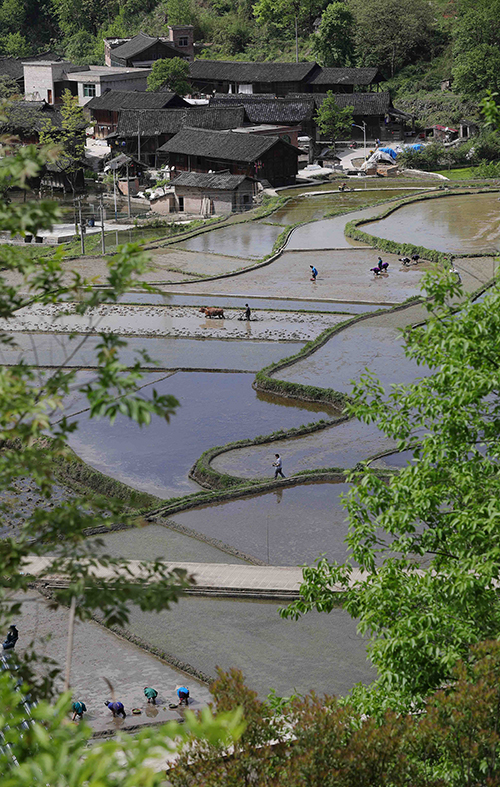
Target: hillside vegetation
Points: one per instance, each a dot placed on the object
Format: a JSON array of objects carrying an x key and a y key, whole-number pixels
[{"x": 416, "y": 43}]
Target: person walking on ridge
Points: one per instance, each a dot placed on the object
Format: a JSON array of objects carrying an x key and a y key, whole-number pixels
[{"x": 278, "y": 464}]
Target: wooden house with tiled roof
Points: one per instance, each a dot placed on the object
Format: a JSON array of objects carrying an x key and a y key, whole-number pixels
[
  {"x": 267, "y": 158},
  {"x": 105, "y": 109},
  {"x": 278, "y": 79},
  {"x": 141, "y": 51},
  {"x": 26, "y": 119},
  {"x": 141, "y": 133}
]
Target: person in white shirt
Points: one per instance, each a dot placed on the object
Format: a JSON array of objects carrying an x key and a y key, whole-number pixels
[{"x": 278, "y": 464}]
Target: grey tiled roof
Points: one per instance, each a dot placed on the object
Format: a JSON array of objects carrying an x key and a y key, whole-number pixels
[
  {"x": 238, "y": 71},
  {"x": 115, "y": 100},
  {"x": 28, "y": 117},
  {"x": 270, "y": 110},
  {"x": 223, "y": 145},
  {"x": 12, "y": 67},
  {"x": 363, "y": 103},
  {"x": 205, "y": 180},
  {"x": 344, "y": 76},
  {"x": 170, "y": 121},
  {"x": 138, "y": 44}
]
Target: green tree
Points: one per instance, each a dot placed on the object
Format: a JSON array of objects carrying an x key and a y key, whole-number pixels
[
  {"x": 333, "y": 121},
  {"x": 172, "y": 73},
  {"x": 8, "y": 87},
  {"x": 14, "y": 45},
  {"x": 284, "y": 14},
  {"x": 333, "y": 44},
  {"x": 328, "y": 742},
  {"x": 427, "y": 537},
  {"x": 180, "y": 12},
  {"x": 391, "y": 33},
  {"x": 476, "y": 56},
  {"x": 69, "y": 138}
]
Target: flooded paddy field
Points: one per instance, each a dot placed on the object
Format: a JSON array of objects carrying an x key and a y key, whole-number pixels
[
  {"x": 250, "y": 240},
  {"x": 176, "y": 321},
  {"x": 375, "y": 343},
  {"x": 342, "y": 445},
  {"x": 311, "y": 207},
  {"x": 155, "y": 541},
  {"x": 215, "y": 409},
  {"x": 344, "y": 275},
  {"x": 320, "y": 652},
  {"x": 47, "y": 349},
  {"x": 238, "y": 302},
  {"x": 286, "y": 527},
  {"x": 461, "y": 224},
  {"x": 171, "y": 258},
  {"x": 99, "y": 654}
]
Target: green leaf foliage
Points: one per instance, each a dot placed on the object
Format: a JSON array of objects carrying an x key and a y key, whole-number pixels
[
  {"x": 427, "y": 539},
  {"x": 171, "y": 74}
]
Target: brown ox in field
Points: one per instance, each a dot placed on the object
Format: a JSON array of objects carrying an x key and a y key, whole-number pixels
[{"x": 212, "y": 311}]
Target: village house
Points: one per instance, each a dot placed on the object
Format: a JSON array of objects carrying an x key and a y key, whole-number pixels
[
  {"x": 26, "y": 119},
  {"x": 204, "y": 194},
  {"x": 142, "y": 50},
  {"x": 266, "y": 158},
  {"x": 278, "y": 79},
  {"x": 46, "y": 80},
  {"x": 142, "y": 132},
  {"x": 105, "y": 109},
  {"x": 287, "y": 116},
  {"x": 383, "y": 121}
]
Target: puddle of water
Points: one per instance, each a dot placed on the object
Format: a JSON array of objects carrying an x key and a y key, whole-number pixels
[
  {"x": 170, "y": 353},
  {"x": 155, "y": 541},
  {"x": 215, "y": 409},
  {"x": 461, "y": 224},
  {"x": 320, "y": 652},
  {"x": 227, "y": 301},
  {"x": 286, "y": 527},
  {"x": 251, "y": 240}
]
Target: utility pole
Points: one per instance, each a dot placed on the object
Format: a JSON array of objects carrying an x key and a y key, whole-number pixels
[
  {"x": 128, "y": 194},
  {"x": 114, "y": 192},
  {"x": 69, "y": 647},
  {"x": 103, "y": 239},
  {"x": 296, "y": 41},
  {"x": 139, "y": 136},
  {"x": 82, "y": 228}
]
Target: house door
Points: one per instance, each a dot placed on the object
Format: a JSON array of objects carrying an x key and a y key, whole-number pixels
[{"x": 49, "y": 96}]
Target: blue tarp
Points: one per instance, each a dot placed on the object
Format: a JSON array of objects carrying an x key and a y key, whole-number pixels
[
  {"x": 416, "y": 146},
  {"x": 392, "y": 153}
]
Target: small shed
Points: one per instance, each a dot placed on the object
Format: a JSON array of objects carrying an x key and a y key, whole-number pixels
[{"x": 206, "y": 194}]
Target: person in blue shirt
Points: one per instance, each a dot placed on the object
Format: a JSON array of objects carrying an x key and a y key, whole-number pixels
[
  {"x": 183, "y": 694},
  {"x": 116, "y": 709},
  {"x": 314, "y": 272}
]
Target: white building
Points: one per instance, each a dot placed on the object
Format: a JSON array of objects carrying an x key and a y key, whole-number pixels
[{"x": 47, "y": 80}]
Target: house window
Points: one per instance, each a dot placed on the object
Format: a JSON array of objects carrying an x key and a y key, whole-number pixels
[
  {"x": 183, "y": 41},
  {"x": 89, "y": 90}
]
